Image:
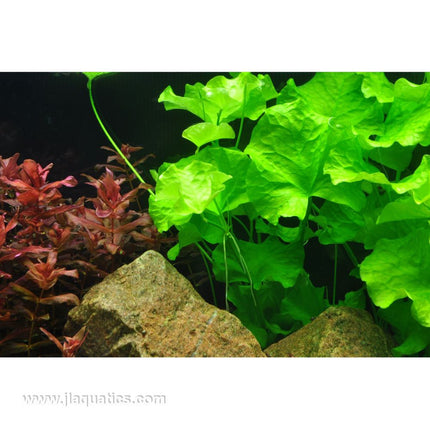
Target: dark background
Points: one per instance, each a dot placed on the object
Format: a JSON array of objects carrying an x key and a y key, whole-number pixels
[{"x": 48, "y": 116}]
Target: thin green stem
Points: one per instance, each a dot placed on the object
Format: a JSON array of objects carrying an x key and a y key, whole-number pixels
[
  {"x": 117, "y": 149},
  {"x": 350, "y": 254},
  {"x": 208, "y": 250},
  {"x": 243, "y": 265},
  {"x": 244, "y": 227},
  {"x": 203, "y": 252},
  {"x": 241, "y": 119},
  {"x": 226, "y": 272},
  {"x": 335, "y": 273},
  {"x": 304, "y": 222},
  {"x": 205, "y": 262},
  {"x": 398, "y": 174}
]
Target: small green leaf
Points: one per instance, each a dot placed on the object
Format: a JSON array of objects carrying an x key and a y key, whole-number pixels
[
  {"x": 376, "y": 84},
  {"x": 411, "y": 336},
  {"x": 395, "y": 157},
  {"x": 230, "y": 161},
  {"x": 403, "y": 209},
  {"x": 418, "y": 183},
  {"x": 355, "y": 299},
  {"x": 205, "y": 132},
  {"x": 304, "y": 301},
  {"x": 338, "y": 224},
  {"x": 400, "y": 268},
  {"x": 223, "y": 99},
  {"x": 287, "y": 234},
  {"x": 346, "y": 163},
  {"x": 95, "y": 75},
  {"x": 408, "y": 120},
  {"x": 183, "y": 191},
  {"x": 195, "y": 230}
]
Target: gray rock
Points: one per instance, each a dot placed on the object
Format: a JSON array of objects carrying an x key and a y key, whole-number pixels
[
  {"x": 339, "y": 331},
  {"x": 147, "y": 309}
]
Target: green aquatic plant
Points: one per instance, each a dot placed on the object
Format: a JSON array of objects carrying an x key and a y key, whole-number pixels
[{"x": 339, "y": 160}]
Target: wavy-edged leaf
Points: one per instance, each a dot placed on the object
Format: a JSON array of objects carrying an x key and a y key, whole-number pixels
[
  {"x": 346, "y": 163},
  {"x": 403, "y": 209},
  {"x": 205, "y": 132},
  {"x": 408, "y": 120},
  {"x": 223, "y": 99},
  {"x": 376, "y": 84},
  {"x": 184, "y": 191},
  {"x": 235, "y": 163},
  {"x": 339, "y": 98},
  {"x": 418, "y": 183},
  {"x": 411, "y": 336},
  {"x": 400, "y": 268},
  {"x": 270, "y": 260}
]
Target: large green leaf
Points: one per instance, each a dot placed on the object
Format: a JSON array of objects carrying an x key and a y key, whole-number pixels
[
  {"x": 232, "y": 162},
  {"x": 408, "y": 120},
  {"x": 339, "y": 98},
  {"x": 223, "y": 99},
  {"x": 183, "y": 191},
  {"x": 400, "y": 268},
  {"x": 289, "y": 146},
  {"x": 346, "y": 163},
  {"x": 270, "y": 260}
]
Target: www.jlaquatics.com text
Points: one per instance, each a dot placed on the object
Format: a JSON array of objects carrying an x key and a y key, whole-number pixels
[{"x": 69, "y": 399}]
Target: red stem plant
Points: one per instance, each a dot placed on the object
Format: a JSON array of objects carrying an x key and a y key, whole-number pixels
[{"x": 52, "y": 250}]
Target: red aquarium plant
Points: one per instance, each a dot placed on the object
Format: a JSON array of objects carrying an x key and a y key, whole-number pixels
[{"x": 52, "y": 250}]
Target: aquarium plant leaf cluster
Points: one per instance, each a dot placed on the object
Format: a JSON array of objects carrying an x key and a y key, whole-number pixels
[
  {"x": 339, "y": 161},
  {"x": 52, "y": 250}
]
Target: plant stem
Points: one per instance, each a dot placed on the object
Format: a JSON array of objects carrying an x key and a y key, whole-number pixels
[
  {"x": 30, "y": 335},
  {"x": 241, "y": 119},
  {"x": 117, "y": 149},
  {"x": 226, "y": 272},
  {"x": 248, "y": 232},
  {"x": 205, "y": 261},
  {"x": 304, "y": 222},
  {"x": 350, "y": 254},
  {"x": 204, "y": 252},
  {"x": 244, "y": 266},
  {"x": 335, "y": 273}
]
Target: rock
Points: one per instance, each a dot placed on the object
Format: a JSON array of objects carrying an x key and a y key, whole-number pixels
[
  {"x": 147, "y": 309},
  {"x": 337, "y": 332}
]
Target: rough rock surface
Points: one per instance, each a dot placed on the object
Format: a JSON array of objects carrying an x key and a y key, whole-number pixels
[
  {"x": 147, "y": 309},
  {"x": 337, "y": 332}
]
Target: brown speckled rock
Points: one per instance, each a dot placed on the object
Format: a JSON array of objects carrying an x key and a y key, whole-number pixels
[
  {"x": 337, "y": 332},
  {"x": 147, "y": 309}
]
